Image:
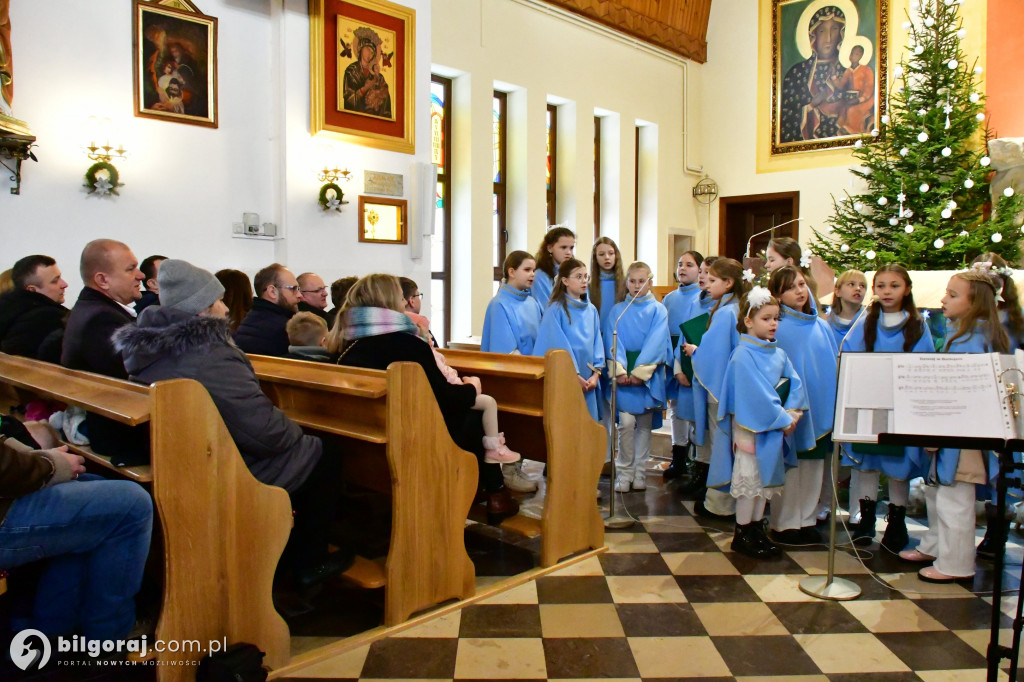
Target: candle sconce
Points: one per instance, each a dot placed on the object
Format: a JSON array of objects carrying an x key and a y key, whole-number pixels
[{"x": 102, "y": 177}]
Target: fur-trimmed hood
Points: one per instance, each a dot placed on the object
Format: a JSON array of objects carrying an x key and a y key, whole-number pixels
[{"x": 164, "y": 332}]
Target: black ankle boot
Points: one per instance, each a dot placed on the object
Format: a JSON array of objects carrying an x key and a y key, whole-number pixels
[
  {"x": 895, "y": 537},
  {"x": 864, "y": 532},
  {"x": 763, "y": 539},
  {"x": 697, "y": 480},
  {"x": 678, "y": 467},
  {"x": 745, "y": 541},
  {"x": 987, "y": 548}
]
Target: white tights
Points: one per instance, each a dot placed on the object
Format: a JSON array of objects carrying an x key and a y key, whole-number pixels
[{"x": 749, "y": 509}]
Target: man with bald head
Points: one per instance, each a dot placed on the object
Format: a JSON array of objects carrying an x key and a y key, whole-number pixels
[{"x": 313, "y": 297}]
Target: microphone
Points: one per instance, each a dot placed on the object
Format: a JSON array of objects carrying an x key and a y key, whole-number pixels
[
  {"x": 863, "y": 310},
  {"x": 629, "y": 303},
  {"x": 746, "y": 254}
]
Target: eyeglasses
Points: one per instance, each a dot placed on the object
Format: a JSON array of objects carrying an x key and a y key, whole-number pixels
[
  {"x": 581, "y": 278},
  {"x": 321, "y": 290},
  {"x": 294, "y": 287},
  {"x": 416, "y": 296}
]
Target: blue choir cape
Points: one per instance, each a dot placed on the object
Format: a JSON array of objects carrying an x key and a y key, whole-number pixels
[
  {"x": 750, "y": 400},
  {"x": 512, "y": 322},
  {"x": 710, "y": 360},
  {"x": 888, "y": 339},
  {"x": 608, "y": 301},
  {"x": 578, "y": 332},
  {"x": 839, "y": 328},
  {"x": 643, "y": 329},
  {"x": 1015, "y": 341},
  {"x": 681, "y": 305},
  {"x": 541, "y": 289},
  {"x": 811, "y": 347}
]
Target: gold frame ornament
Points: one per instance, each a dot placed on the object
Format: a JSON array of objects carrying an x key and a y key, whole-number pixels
[{"x": 362, "y": 67}]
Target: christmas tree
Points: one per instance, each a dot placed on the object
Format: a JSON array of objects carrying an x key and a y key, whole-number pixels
[{"x": 925, "y": 168}]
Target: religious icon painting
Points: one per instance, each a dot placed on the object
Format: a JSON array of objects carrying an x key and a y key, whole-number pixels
[
  {"x": 175, "y": 64},
  {"x": 362, "y": 67},
  {"x": 828, "y": 72}
]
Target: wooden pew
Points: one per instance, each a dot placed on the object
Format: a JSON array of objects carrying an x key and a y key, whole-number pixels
[
  {"x": 542, "y": 407},
  {"x": 394, "y": 441},
  {"x": 224, "y": 531}
]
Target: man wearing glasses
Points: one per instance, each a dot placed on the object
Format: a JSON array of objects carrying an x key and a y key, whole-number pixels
[
  {"x": 262, "y": 332},
  {"x": 313, "y": 297}
]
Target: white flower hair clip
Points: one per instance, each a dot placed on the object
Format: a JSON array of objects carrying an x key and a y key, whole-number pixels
[
  {"x": 982, "y": 266},
  {"x": 805, "y": 260},
  {"x": 1005, "y": 271},
  {"x": 758, "y": 297},
  {"x": 748, "y": 275}
]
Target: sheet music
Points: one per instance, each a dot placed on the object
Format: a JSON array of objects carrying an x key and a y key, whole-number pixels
[
  {"x": 864, "y": 405},
  {"x": 873, "y": 388},
  {"x": 948, "y": 394}
]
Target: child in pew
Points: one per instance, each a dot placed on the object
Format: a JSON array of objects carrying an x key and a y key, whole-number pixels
[
  {"x": 759, "y": 422},
  {"x": 726, "y": 287},
  {"x": 892, "y": 324},
  {"x": 554, "y": 249},
  {"x": 643, "y": 352},
  {"x": 513, "y": 316},
  {"x": 972, "y": 316},
  {"x": 682, "y": 306},
  {"x": 571, "y": 323},
  {"x": 307, "y": 338},
  {"x": 810, "y": 347}
]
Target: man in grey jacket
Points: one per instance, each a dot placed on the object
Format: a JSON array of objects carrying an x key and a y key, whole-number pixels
[{"x": 187, "y": 336}]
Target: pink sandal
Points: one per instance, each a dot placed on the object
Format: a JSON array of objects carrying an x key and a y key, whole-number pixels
[
  {"x": 496, "y": 452},
  {"x": 915, "y": 556}
]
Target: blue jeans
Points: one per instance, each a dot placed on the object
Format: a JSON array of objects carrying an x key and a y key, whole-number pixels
[{"x": 95, "y": 534}]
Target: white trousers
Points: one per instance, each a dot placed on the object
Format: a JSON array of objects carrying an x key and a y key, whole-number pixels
[
  {"x": 950, "y": 534},
  {"x": 680, "y": 427},
  {"x": 634, "y": 445},
  {"x": 798, "y": 507}
]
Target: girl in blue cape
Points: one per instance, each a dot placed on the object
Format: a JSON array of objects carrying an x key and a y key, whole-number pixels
[
  {"x": 810, "y": 346},
  {"x": 1010, "y": 313},
  {"x": 513, "y": 315},
  {"x": 970, "y": 307},
  {"x": 682, "y": 306},
  {"x": 727, "y": 286},
  {"x": 638, "y": 367},
  {"x": 847, "y": 301},
  {"x": 554, "y": 249},
  {"x": 758, "y": 422},
  {"x": 571, "y": 323},
  {"x": 786, "y": 251},
  {"x": 607, "y": 281},
  {"x": 891, "y": 325}
]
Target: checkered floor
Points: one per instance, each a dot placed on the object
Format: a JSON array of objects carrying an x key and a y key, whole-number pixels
[{"x": 669, "y": 600}]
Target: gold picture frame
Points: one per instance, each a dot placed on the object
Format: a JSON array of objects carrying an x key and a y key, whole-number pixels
[
  {"x": 362, "y": 69},
  {"x": 383, "y": 220}
]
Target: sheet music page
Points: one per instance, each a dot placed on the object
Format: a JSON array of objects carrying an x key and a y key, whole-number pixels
[
  {"x": 864, "y": 398},
  {"x": 947, "y": 394},
  {"x": 873, "y": 388}
]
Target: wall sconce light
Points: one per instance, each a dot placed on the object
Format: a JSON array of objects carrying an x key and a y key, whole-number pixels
[
  {"x": 102, "y": 177},
  {"x": 331, "y": 197}
]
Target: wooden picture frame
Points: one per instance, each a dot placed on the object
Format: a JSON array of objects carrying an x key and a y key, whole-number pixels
[
  {"x": 383, "y": 220},
  {"x": 174, "y": 64},
  {"x": 362, "y": 73},
  {"x": 820, "y": 100}
]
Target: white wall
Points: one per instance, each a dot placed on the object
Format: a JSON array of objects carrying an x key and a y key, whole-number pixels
[{"x": 185, "y": 185}]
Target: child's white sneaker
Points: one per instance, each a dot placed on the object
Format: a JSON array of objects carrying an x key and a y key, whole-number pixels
[
  {"x": 496, "y": 452},
  {"x": 516, "y": 480},
  {"x": 622, "y": 485},
  {"x": 640, "y": 482}
]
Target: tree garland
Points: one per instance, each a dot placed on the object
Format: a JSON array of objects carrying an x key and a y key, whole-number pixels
[
  {"x": 102, "y": 185},
  {"x": 335, "y": 203}
]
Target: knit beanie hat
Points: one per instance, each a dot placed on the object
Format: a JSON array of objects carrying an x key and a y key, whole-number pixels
[{"x": 187, "y": 288}]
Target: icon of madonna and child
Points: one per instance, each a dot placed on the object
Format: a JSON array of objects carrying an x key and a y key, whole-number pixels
[{"x": 828, "y": 90}]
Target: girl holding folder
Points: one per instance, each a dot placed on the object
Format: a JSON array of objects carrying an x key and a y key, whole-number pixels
[{"x": 681, "y": 305}]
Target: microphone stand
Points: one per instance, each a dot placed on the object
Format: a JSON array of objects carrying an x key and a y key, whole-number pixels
[
  {"x": 616, "y": 520},
  {"x": 746, "y": 254},
  {"x": 828, "y": 586}
]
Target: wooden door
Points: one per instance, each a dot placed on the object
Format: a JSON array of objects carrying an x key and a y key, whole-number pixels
[{"x": 742, "y": 217}]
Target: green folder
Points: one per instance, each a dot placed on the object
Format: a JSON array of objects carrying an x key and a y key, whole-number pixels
[
  {"x": 782, "y": 388},
  {"x": 631, "y": 356},
  {"x": 693, "y": 331}
]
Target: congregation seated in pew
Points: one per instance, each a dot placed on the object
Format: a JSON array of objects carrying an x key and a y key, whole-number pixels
[
  {"x": 32, "y": 315},
  {"x": 307, "y": 338},
  {"x": 262, "y": 332}
]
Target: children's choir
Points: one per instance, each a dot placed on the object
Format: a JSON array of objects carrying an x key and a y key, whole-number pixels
[{"x": 748, "y": 378}]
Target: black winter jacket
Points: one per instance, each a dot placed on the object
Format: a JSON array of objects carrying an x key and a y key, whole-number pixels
[
  {"x": 27, "y": 318},
  {"x": 262, "y": 332}
]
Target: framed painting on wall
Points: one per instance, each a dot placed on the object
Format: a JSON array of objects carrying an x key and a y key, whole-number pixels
[
  {"x": 362, "y": 66},
  {"x": 175, "y": 64},
  {"x": 829, "y": 72}
]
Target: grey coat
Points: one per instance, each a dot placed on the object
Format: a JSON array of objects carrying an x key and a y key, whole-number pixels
[{"x": 169, "y": 344}]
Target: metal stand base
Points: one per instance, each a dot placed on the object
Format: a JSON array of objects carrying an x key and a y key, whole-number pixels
[
  {"x": 618, "y": 522},
  {"x": 837, "y": 589}
]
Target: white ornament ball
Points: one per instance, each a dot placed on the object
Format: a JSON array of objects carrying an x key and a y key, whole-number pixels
[
  {"x": 961, "y": 34},
  {"x": 951, "y": 205},
  {"x": 968, "y": 183},
  {"x": 908, "y": 213},
  {"x": 953, "y": 64},
  {"x": 898, "y": 71},
  {"x": 844, "y": 248},
  {"x": 964, "y": 233},
  {"x": 946, "y": 151},
  {"x": 857, "y": 206},
  {"x": 870, "y": 255},
  {"x": 922, "y": 137},
  {"x": 874, "y": 132},
  {"x": 859, "y": 144},
  {"x": 907, "y": 25},
  {"x": 946, "y": 213},
  {"x": 882, "y": 201},
  {"x": 978, "y": 70},
  {"x": 909, "y": 229},
  {"x": 938, "y": 243},
  {"x": 885, "y": 119},
  {"x": 1008, "y": 192},
  {"x": 975, "y": 97},
  {"x": 894, "y": 222},
  {"x": 997, "y": 237},
  {"x": 924, "y": 187},
  {"x": 869, "y": 229},
  {"x": 980, "y": 116},
  {"x": 985, "y": 161},
  {"x": 922, "y": 112},
  {"x": 919, "y": 49},
  {"x": 904, "y": 151},
  {"x": 929, "y": 22}
]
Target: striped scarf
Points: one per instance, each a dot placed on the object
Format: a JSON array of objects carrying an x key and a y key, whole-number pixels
[{"x": 362, "y": 322}]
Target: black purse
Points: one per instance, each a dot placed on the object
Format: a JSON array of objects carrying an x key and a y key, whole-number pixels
[{"x": 238, "y": 663}]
